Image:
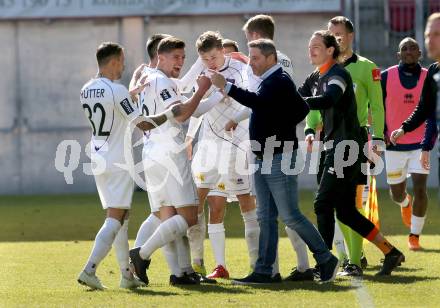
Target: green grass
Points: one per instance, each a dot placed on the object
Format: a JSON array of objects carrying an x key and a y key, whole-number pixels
[{"x": 45, "y": 240}]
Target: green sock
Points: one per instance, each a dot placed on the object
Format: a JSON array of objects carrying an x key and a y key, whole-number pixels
[
  {"x": 356, "y": 245},
  {"x": 347, "y": 235}
]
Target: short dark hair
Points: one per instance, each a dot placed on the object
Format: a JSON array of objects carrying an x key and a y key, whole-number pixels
[
  {"x": 169, "y": 44},
  {"x": 407, "y": 39},
  {"x": 153, "y": 42},
  {"x": 208, "y": 41},
  {"x": 342, "y": 20},
  {"x": 106, "y": 51},
  {"x": 266, "y": 46},
  {"x": 262, "y": 24},
  {"x": 230, "y": 43},
  {"x": 329, "y": 41}
]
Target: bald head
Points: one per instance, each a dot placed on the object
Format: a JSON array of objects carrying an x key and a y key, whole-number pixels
[{"x": 409, "y": 51}]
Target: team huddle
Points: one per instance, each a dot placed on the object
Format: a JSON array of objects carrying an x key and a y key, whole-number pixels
[{"x": 245, "y": 109}]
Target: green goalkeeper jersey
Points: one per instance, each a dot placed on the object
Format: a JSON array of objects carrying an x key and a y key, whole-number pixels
[{"x": 366, "y": 82}]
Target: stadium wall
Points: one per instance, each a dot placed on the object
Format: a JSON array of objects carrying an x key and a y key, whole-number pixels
[{"x": 45, "y": 63}]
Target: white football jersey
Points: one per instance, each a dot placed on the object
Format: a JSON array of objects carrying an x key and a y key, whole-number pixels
[
  {"x": 146, "y": 71},
  {"x": 110, "y": 109},
  {"x": 214, "y": 121},
  {"x": 160, "y": 93}
]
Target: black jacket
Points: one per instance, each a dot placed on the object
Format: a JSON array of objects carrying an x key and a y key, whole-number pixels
[
  {"x": 337, "y": 105},
  {"x": 276, "y": 107}
]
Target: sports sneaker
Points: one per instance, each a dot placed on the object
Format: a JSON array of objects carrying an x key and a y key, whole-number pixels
[
  {"x": 91, "y": 281},
  {"x": 277, "y": 277},
  {"x": 201, "y": 269},
  {"x": 183, "y": 280},
  {"x": 140, "y": 265},
  {"x": 364, "y": 262},
  {"x": 316, "y": 271},
  {"x": 351, "y": 270},
  {"x": 345, "y": 263},
  {"x": 392, "y": 259},
  {"x": 253, "y": 279},
  {"x": 329, "y": 269},
  {"x": 406, "y": 213},
  {"x": 132, "y": 283},
  {"x": 296, "y": 275},
  {"x": 201, "y": 279},
  {"x": 219, "y": 272},
  {"x": 413, "y": 242}
]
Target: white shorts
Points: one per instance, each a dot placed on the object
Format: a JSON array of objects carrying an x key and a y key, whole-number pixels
[
  {"x": 115, "y": 189},
  {"x": 400, "y": 164},
  {"x": 169, "y": 181},
  {"x": 215, "y": 167}
]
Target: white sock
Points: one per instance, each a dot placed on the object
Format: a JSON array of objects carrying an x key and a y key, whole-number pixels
[
  {"x": 252, "y": 235},
  {"x": 167, "y": 231},
  {"x": 217, "y": 238},
  {"x": 417, "y": 224},
  {"x": 405, "y": 201},
  {"x": 338, "y": 240},
  {"x": 196, "y": 236},
  {"x": 103, "y": 243},
  {"x": 146, "y": 230},
  {"x": 121, "y": 248},
  {"x": 170, "y": 254},
  {"x": 300, "y": 249},
  {"x": 184, "y": 254}
]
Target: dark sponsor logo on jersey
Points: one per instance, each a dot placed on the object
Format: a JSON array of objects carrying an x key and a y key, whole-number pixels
[
  {"x": 376, "y": 74},
  {"x": 408, "y": 98},
  {"x": 125, "y": 104},
  {"x": 231, "y": 80},
  {"x": 240, "y": 181},
  {"x": 165, "y": 94},
  {"x": 285, "y": 63}
]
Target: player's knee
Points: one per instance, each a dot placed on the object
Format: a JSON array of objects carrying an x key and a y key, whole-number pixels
[{"x": 216, "y": 215}]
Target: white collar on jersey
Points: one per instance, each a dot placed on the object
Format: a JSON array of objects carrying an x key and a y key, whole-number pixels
[
  {"x": 226, "y": 64},
  {"x": 270, "y": 71}
]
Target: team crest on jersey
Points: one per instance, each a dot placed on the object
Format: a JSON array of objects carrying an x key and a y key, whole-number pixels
[
  {"x": 165, "y": 94},
  {"x": 221, "y": 186},
  {"x": 231, "y": 80},
  {"x": 125, "y": 104}
]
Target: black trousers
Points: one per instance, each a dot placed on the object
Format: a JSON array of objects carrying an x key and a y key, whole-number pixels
[{"x": 339, "y": 194}]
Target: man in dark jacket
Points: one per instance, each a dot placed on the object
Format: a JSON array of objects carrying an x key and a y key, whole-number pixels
[{"x": 276, "y": 110}]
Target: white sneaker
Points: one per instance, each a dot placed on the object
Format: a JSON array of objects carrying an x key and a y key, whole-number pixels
[
  {"x": 132, "y": 283},
  {"x": 91, "y": 281}
]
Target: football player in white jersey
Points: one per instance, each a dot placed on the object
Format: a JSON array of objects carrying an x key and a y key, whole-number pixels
[
  {"x": 169, "y": 180},
  {"x": 139, "y": 76},
  {"x": 110, "y": 110},
  {"x": 223, "y": 150},
  {"x": 153, "y": 221}
]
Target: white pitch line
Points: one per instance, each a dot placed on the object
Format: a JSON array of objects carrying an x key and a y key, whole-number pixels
[{"x": 363, "y": 297}]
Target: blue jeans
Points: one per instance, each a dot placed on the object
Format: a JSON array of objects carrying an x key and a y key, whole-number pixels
[{"x": 277, "y": 193}]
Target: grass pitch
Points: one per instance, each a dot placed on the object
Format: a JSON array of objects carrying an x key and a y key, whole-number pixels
[{"x": 45, "y": 241}]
